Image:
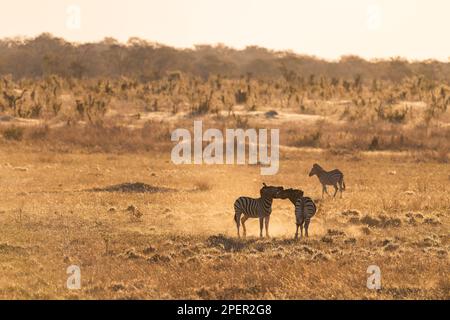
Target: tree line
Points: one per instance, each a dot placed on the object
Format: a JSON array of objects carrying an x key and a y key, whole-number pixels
[{"x": 47, "y": 55}]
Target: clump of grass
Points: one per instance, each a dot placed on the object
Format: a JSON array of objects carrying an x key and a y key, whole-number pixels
[
  {"x": 131, "y": 254},
  {"x": 380, "y": 221},
  {"x": 202, "y": 186},
  {"x": 159, "y": 258}
]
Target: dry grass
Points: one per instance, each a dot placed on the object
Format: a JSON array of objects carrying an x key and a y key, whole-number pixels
[
  {"x": 202, "y": 186},
  {"x": 395, "y": 214}
]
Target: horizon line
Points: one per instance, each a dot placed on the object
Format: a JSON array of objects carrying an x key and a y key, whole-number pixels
[{"x": 221, "y": 44}]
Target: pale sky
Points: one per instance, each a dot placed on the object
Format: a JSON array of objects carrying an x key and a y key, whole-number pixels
[{"x": 415, "y": 29}]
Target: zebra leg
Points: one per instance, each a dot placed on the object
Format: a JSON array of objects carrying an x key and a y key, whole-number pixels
[
  {"x": 237, "y": 218},
  {"x": 301, "y": 230},
  {"x": 324, "y": 190},
  {"x": 296, "y": 232},
  {"x": 267, "y": 219},
  {"x": 306, "y": 227},
  {"x": 243, "y": 219},
  {"x": 335, "y": 190},
  {"x": 261, "y": 225}
]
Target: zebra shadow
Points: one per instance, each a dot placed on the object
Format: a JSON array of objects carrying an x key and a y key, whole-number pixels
[
  {"x": 132, "y": 187},
  {"x": 232, "y": 244},
  {"x": 228, "y": 244}
]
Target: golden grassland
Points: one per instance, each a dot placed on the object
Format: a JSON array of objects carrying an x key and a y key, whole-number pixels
[{"x": 394, "y": 214}]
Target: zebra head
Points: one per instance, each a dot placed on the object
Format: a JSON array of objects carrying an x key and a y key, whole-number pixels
[
  {"x": 270, "y": 191},
  {"x": 292, "y": 194},
  {"x": 315, "y": 170}
]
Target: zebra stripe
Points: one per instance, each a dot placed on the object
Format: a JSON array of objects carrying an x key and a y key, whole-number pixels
[
  {"x": 305, "y": 209},
  {"x": 253, "y": 208}
]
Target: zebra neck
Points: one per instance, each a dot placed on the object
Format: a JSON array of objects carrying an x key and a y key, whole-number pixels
[
  {"x": 267, "y": 202},
  {"x": 293, "y": 200}
]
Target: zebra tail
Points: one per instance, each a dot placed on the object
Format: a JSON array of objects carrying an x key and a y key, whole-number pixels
[{"x": 343, "y": 184}]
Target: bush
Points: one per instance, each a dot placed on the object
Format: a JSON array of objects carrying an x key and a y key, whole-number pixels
[
  {"x": 39, "y": 133},
  {"x": 374, "y": 145},
  {"x": 392, "y": 115},
  {"x": 13, "y": 133},
  {"x": 309, "y": 140}
]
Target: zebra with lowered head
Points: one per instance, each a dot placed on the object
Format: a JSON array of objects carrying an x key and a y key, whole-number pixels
[
  {"x": 256, "y": 208},
  {"x": 333, "y": 178},
  {"x": 305, "y": 208}
]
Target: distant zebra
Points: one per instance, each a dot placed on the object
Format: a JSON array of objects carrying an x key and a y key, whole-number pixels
[
  {"x": 256, "y": 208},
  {"x": 305, "y": 208},
  {"x": 329, "y": 178}
]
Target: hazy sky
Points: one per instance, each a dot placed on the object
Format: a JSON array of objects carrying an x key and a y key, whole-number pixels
[{"x": 416, "y": 29}]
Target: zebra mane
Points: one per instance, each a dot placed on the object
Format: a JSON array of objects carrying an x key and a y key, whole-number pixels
[
  {"x": 292, "y": 194},
  {"x": 318, "y": 167},
  {"x": 293, "y": 190},
  {"x": 263, "y": 194}
]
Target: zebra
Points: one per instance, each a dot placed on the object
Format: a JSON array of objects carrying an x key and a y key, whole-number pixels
[
  {"x": 331, "y": 178},
  {"x": 305, "y": 208},
  {"x": 256, "y": 208}
]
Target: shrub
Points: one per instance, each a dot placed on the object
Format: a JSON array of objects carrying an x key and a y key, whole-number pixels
[
  {"x": 13, "y": 133},
  {"x": 39, "y": 133},
  {"x": 374, "y": 145},
  {"x": 392, "y": 115},
  {"x": 309, "y": 140}
]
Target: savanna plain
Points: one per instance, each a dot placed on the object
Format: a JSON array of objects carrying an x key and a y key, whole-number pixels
[{"x": 86, "y": 179}]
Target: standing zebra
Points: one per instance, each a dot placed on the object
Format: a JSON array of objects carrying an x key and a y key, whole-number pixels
[
  {"x": 305, "y": 208},
  {"x": 256, "y": 208},
  {"x": 329, "y": 178}
]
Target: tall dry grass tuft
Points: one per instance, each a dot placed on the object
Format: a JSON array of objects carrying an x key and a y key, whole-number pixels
[{"x": 202, "y": 185}]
